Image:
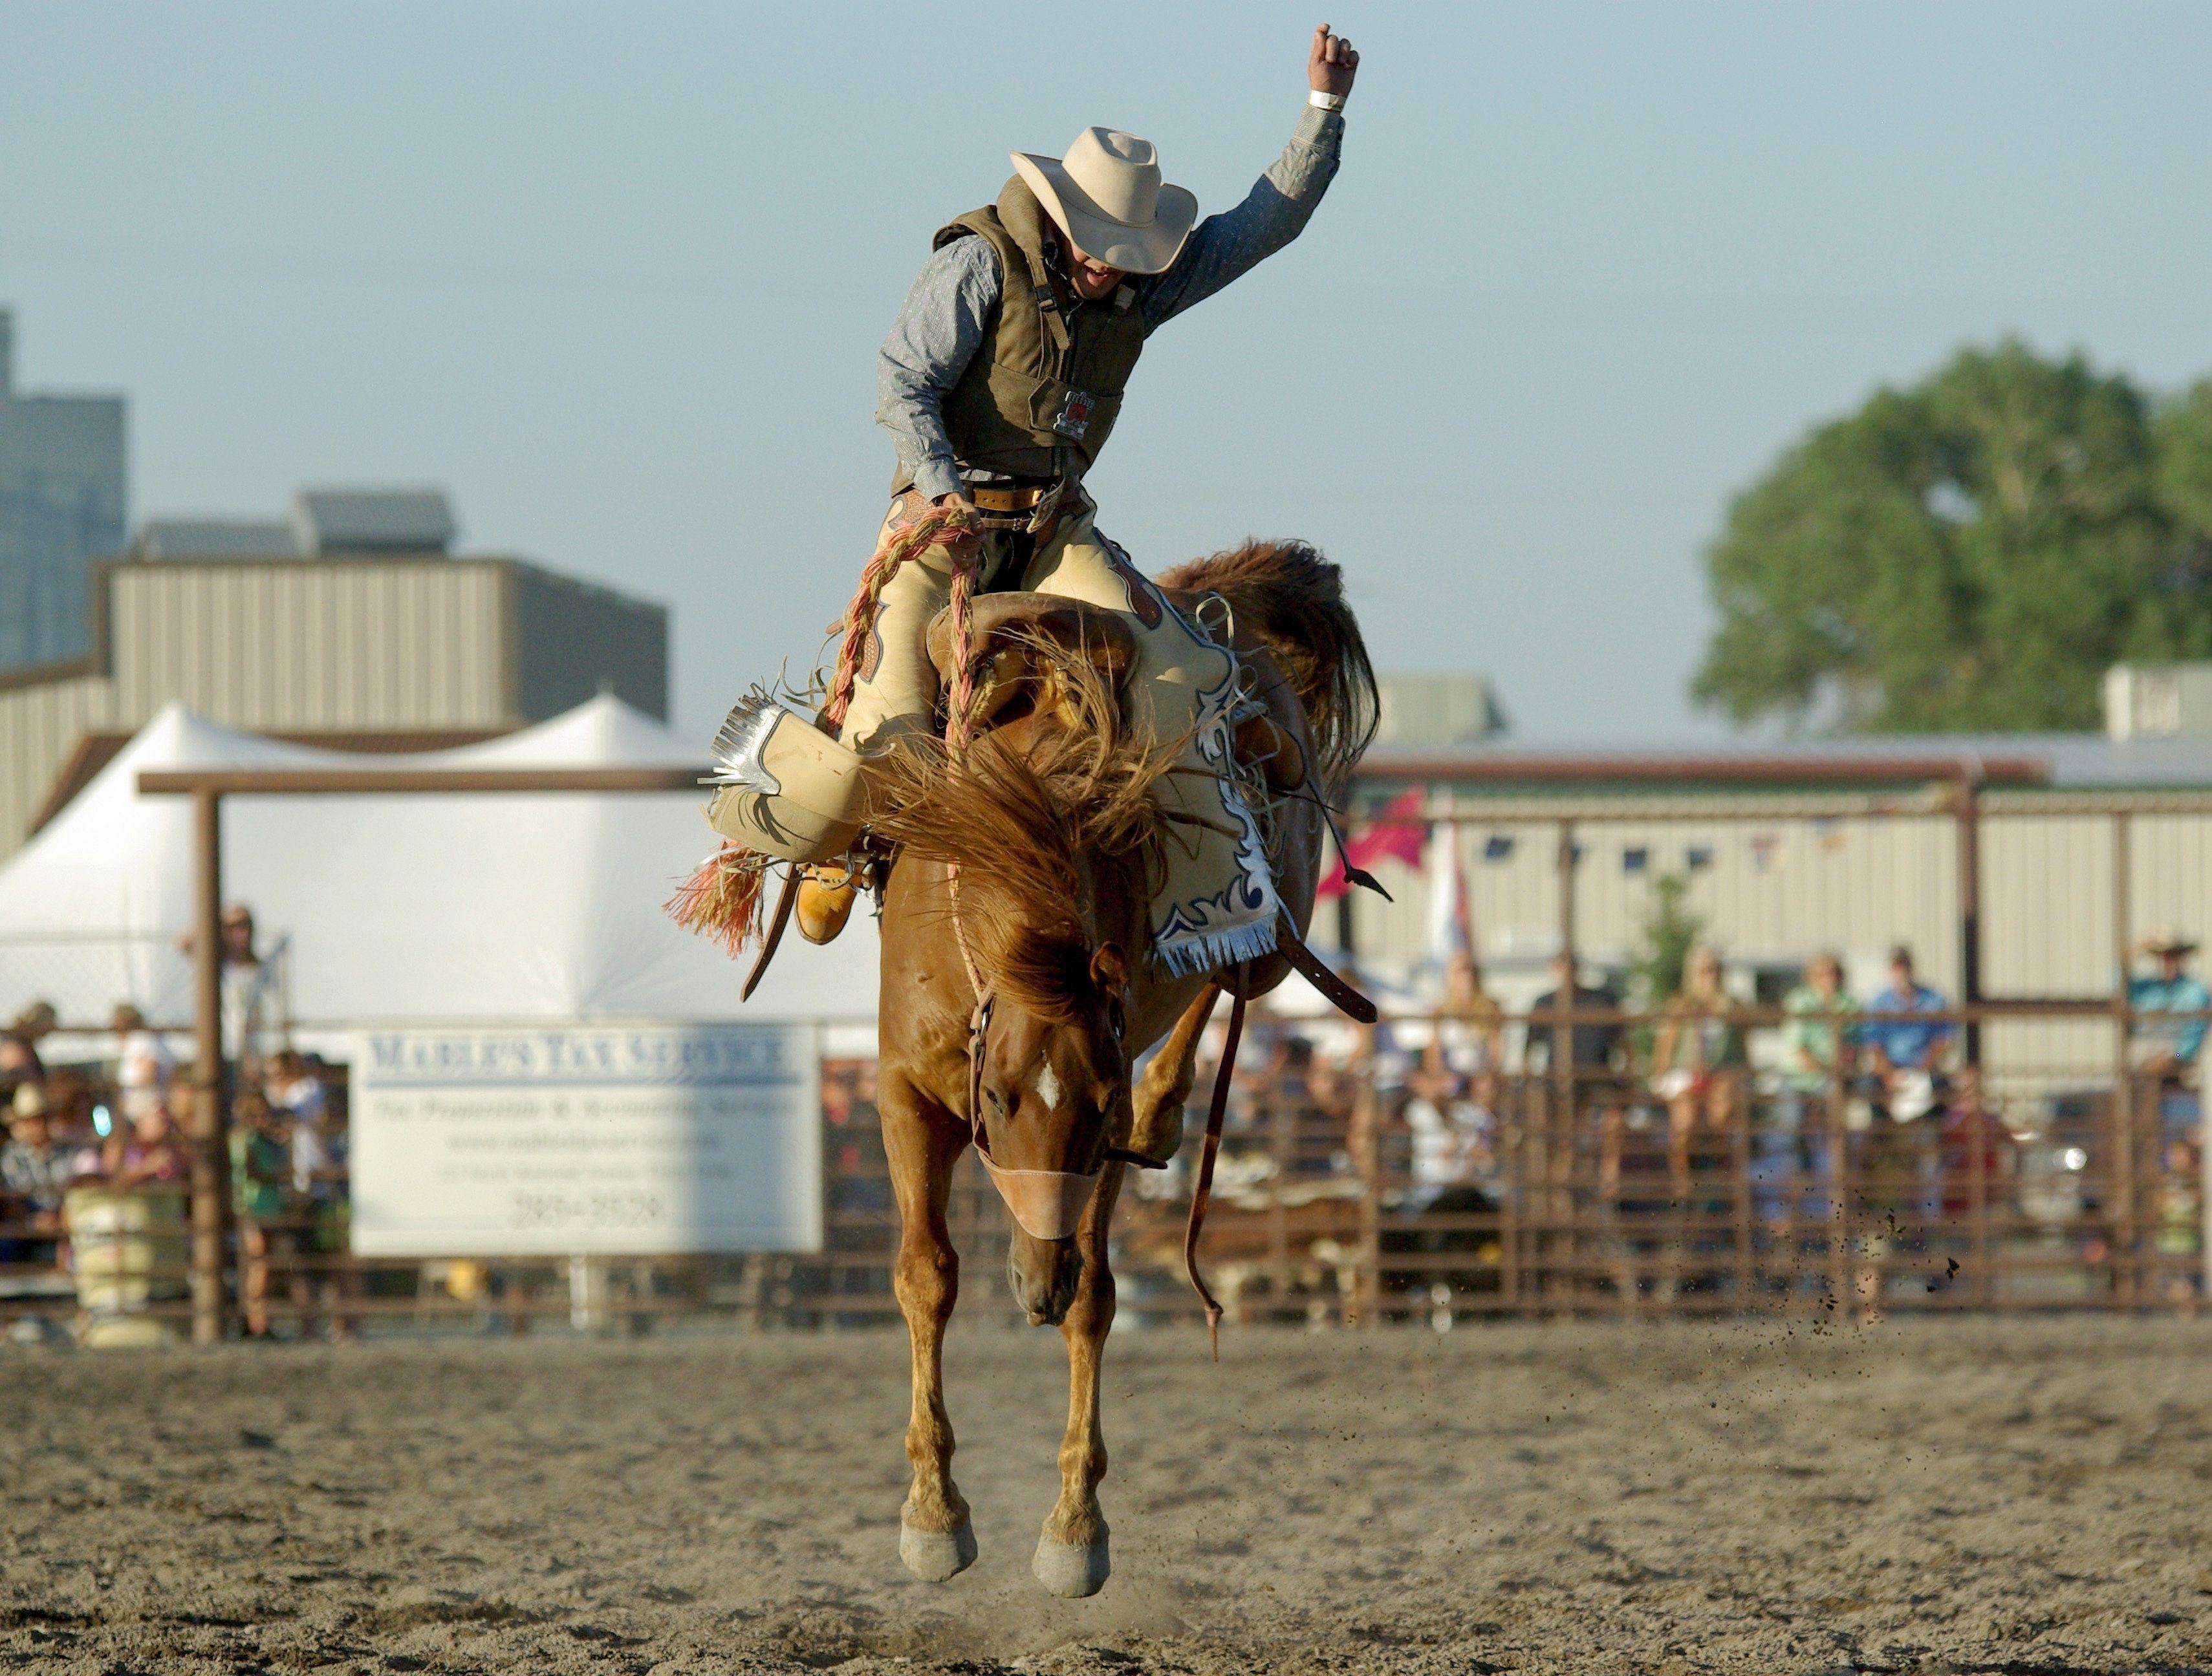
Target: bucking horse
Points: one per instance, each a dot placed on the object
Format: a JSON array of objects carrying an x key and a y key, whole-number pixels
[{"x": 1017, "y": 991}]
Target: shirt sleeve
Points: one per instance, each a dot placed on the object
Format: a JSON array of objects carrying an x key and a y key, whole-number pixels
[
  {"x": 939, "y": 329},
  {"x": 1228, "y": 246}
]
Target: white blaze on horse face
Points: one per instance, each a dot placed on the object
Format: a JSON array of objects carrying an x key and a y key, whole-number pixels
[{"x": 1049, "y": 1089}]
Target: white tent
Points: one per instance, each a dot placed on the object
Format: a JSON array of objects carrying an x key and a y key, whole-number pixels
[{"x": 478, "y": 908}]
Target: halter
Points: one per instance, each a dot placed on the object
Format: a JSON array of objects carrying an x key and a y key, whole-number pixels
[{"x": 1048, "y": 1203}]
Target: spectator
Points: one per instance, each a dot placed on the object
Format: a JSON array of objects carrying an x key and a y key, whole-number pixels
[
  {"x": 2166, "y": 1049},
  {"x": 1819, "y": 1046},
  {"x": 1975, "y": 1143},
  {"x": 34, "y": 1173},
  {"x": 246, "y": 981},
  {"x": 1469, "y": 1035},
  {"x": 1698, "y": 1064},
  {"x": 1596, "y": 1046},
  {"x": 1449, "y": 1141},
  {"x": 143, "y": 1064},
  {"x": 19, "y": 1063},
  {"x": 297, "y": 1092},
  {"x": 261, "y": 1179},
  {"x": 1908, "y": 1053},
  {"x": 150, "y": 1153}
]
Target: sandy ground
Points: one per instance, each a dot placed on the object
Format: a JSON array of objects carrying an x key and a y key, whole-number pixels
[{"x": 1957, "y": 1495}]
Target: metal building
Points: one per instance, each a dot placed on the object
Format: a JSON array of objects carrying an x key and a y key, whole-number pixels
[
  {"x": 408, "y": 651},
  {"x": 61, "y": 507},
  {"x": 2014, "y": 867}
]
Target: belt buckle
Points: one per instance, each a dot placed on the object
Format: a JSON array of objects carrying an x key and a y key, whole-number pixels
[{"x": 1048, "y": 509}]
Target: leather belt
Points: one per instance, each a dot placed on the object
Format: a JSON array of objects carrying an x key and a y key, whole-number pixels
[{"x": 1024, "y": 499}]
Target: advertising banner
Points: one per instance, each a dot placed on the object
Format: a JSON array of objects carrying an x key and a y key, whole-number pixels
[{"x": 616, "y": 1139}]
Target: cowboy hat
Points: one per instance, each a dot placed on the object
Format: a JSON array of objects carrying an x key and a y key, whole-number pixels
[
  {"x": 2170, "y": 941},
  {"x": 1107, "y": 195}
]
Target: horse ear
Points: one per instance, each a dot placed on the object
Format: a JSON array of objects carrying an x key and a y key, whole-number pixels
[{"x": 1110, "y": 971}]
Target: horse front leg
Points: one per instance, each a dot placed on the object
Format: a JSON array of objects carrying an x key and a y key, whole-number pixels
[
  {"x": 936, "y": 1541},
  {"x": 1072, "y": 1555},
  {"x": 1157, "y": 1129}
]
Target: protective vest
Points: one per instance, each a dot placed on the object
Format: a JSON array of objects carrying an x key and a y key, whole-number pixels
[{"x": 1045, "y": 386}]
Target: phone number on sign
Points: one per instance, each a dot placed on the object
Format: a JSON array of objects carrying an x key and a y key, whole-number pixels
[{"x": 597, "y": 1209}]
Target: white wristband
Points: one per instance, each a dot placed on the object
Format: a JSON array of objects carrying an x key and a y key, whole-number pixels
[{"x": 1325, "y": 101}]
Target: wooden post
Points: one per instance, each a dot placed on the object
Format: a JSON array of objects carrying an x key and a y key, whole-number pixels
[
  {"x": 1977, "y": 1192},
  {"x": 1560, "y": 1134},
  {"x": 1282, "y": 1142},
  {"x": 2120, "y": 1178},
  {"x": 1513, "y": 1178},
  {"x": 1839, "y": 1220},
  {"x": 1740, "y": 1161},
  {"x": 1365, "y": 1308},
  {"x": 1966, "y": 807},
  {"x": 210, "y": 1152}
]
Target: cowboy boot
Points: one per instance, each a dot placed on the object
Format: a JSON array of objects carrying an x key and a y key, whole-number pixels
[{"x": 826, "y": 895}]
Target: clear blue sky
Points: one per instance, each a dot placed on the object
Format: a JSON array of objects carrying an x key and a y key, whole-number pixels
[{"x": 615, "y": 276}]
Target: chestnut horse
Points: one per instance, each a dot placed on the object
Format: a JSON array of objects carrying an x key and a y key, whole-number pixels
[{"x": 1026, "y": 869}]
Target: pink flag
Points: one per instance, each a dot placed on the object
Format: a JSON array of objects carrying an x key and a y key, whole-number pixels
[{"x": 1398, "y": 832}]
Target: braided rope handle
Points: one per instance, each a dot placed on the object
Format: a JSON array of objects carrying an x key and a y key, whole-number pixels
[{"x": 940, "y": 526}]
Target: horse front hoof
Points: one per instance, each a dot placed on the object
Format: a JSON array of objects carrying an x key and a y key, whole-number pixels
[
  {"x": 1073, "y": 1570},
  {"x": 937, "y": 1557}
]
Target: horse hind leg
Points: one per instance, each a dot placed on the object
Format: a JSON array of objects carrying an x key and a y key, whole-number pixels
[
  {"x": 1072, "y": 1557},
  {"x": 936, "y": 1540}
]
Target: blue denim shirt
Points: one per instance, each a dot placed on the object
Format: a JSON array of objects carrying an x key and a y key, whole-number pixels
[
  {"x": 1901, "y": 1040},
  {"x": 2183, "y": 1037},
  {"x": 941, "y": 325}
]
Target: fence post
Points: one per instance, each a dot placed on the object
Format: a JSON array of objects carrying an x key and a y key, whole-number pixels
[
  {"x": 1558, "y": 1185},
  {"x": 2120, "y": 1165},
  {"x": 1978, "y": 1190},
  {"x": 1740, "y": 1167},
  {"x": 1513, "y": 1177},
  {"x": 210, "y": 1152},
  {"x": 1366, "y": 1307},
  {"x": 1839, "y": 1241},
  {"x": 1965, "y": 802}
]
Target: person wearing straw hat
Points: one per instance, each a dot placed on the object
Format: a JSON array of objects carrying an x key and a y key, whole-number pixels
[
  {"x": 2167, "y": 1048},
  {"x": 1001, "y": 381}
]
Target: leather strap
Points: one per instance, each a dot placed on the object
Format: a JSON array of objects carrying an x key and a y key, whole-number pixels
[
  {"x": 1311, "y": 967},
  {"x": 777, "y": 921},
  {"x": 1204, "y": 1191}
]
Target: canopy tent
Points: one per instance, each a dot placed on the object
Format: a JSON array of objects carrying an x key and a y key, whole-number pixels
[{"x": 510, "y": 907}]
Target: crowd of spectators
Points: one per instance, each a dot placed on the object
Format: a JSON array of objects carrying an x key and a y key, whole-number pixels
[
  {"x": 117, "y": 1119},
  {"x": 1670, "y": 1108}
]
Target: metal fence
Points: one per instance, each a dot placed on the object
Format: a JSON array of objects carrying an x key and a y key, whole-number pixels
[{"x": 1357, "y": 1187}]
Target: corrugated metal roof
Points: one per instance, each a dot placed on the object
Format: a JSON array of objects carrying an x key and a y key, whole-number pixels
[
  {"x": 373, "y": 520},
  {"x": 2065, "y": 761},
  {"x": 215, "y": 538}
]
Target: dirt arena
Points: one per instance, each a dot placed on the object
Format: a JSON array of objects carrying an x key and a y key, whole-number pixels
[{"x": 1937, "y": 1496}]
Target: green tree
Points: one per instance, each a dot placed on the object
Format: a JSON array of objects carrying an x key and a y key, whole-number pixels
[
  {"x": 1669, "y": 931},
  {"x": 1971, "y": 553}
]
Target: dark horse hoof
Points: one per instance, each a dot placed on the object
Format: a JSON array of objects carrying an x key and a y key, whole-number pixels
[
  {"x": 1072, "y": 1569},
  {"x": 936, "y": 1556}
]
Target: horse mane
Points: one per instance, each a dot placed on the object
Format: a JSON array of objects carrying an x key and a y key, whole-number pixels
[
  {"x": 1018, "y": 812},
  {"x": 1292, "y": 598}
]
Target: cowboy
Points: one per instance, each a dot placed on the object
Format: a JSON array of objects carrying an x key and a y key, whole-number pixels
[
  {"x": 2167, "y": 1048},
  {"x": 999, "y": 382}
]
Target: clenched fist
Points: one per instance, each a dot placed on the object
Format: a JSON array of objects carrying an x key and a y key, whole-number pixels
[{"x": 1332, "y": 64}]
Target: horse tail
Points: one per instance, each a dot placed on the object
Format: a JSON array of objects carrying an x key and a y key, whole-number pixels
[{"x": 1292, "y": 598}]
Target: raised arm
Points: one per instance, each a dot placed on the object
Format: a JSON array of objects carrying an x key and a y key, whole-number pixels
[
  {"x": 939, "y": 329},
  {"x": 1228, "y": 246}
]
